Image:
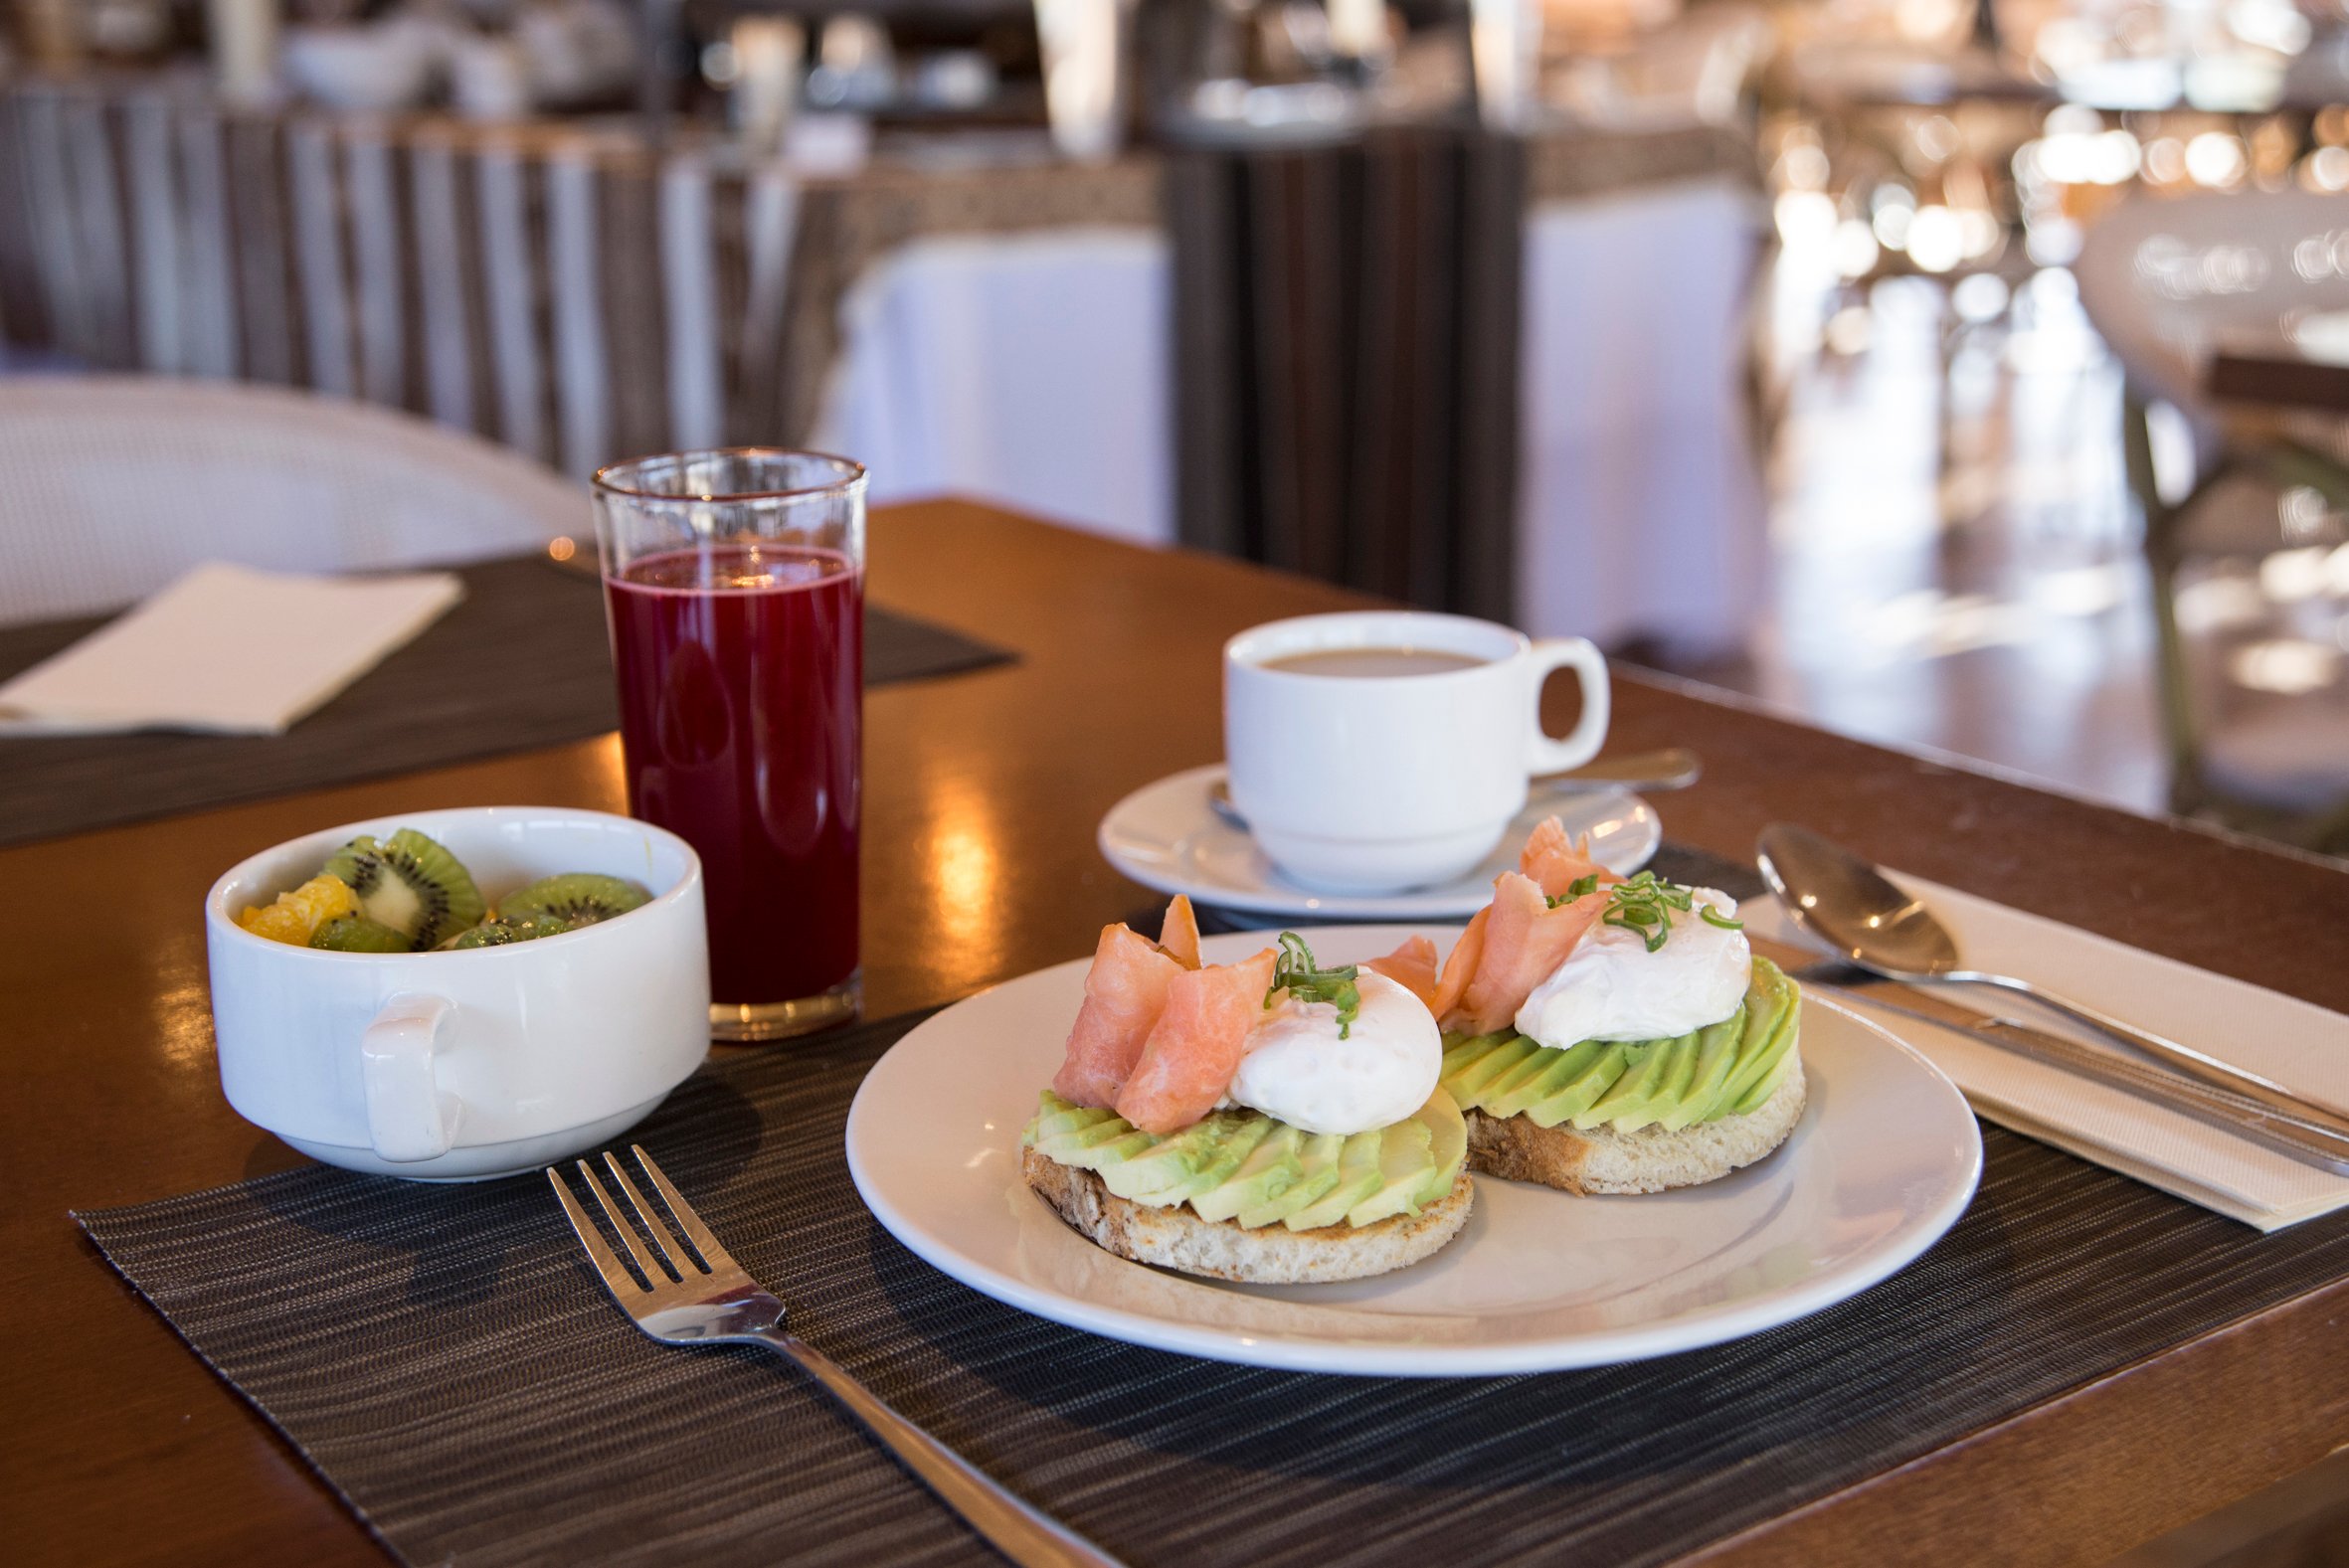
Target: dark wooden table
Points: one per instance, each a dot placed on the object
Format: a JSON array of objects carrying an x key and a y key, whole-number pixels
[{"x": 982, "y": 791}]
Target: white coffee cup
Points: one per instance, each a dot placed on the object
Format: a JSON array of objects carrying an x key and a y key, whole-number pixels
[
  {"x": 1374, "y": 784},
  {"x": 480, "y": 1063}
]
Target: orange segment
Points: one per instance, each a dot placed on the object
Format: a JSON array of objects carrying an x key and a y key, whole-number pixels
[{"x": 295, "y": 915}]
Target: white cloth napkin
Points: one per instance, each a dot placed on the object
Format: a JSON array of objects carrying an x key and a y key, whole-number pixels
[
  {"x": 226, "y": 649},
  {"x": 2300, "y": 1046}
]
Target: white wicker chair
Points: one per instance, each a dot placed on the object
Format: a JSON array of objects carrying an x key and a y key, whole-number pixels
[{"x": 113, "y": 486}]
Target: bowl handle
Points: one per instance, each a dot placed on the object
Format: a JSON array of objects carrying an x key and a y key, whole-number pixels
[{"x": 408, "y": 1118}]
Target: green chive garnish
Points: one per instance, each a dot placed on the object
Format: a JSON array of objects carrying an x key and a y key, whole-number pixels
[
  {"x": 1297, "y": 972},
  {"x": 1643, "y": 904}
]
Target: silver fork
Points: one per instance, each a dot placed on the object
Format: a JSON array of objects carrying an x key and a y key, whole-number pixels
[{"x": 710, "y": 1300}]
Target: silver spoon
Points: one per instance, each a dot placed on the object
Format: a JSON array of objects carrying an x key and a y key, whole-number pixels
[
  {"x": 1852, "y": 907},
  {"x": 1672, "y": 768}
]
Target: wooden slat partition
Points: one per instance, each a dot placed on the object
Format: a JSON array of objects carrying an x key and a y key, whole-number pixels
[{"x": 1346, "y": 344}]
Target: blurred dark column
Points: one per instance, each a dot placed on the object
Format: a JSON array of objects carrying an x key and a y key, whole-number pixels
[
  {"x": 662, "y": 39},
  {"x": 1346, "y": 360}
]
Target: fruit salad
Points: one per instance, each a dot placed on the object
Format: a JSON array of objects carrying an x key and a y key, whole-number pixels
[{"x": 408, "y": 894}]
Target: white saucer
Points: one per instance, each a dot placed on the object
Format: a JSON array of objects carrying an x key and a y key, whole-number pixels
[
  {"x": 1165, "y": 836},
  {"x": 1881, "y": 1163}
]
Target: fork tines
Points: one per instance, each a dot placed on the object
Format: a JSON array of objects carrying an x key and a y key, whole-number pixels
[{"x": 676, "y": 1264}]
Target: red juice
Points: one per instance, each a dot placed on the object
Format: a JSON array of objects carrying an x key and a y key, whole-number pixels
[{"x": 741, "y": 720}]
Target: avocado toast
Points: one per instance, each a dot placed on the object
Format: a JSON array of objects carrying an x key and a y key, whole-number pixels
[
  {"x": 1242, "y": 1196},
  {"x": 1269, "y": 1121},
  {"x": 1634, "y": 1116},
  {"x": 1606, "y": 1034}
]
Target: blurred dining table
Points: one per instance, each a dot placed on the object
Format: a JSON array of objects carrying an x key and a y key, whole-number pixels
[{"x": 983, "y": 794}]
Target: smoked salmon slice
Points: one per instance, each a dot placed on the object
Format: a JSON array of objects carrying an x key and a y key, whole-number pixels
[
  {"x": 1555, "y": 863},
  {"x": 1412, "y": 966},
  {"x": 1524, "y": 941},
  {"x": 1195, "y": 1047},
  {"x": 1125, "y": 991},
  {"x": 1460, "y": 965},
  {"x": 1179, "y": 937}
]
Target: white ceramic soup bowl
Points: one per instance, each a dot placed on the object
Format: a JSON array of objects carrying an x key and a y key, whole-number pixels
[{"x": 456, "y": 1066}]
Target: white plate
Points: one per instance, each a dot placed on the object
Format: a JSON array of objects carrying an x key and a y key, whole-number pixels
[
  {"x": 1882, "y": 1163},
  {"x": 1165, "y": 837}
]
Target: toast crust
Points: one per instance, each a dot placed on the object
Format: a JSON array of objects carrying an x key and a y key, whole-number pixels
[
  {"x": 1176, "y": 1238},
  {"x": 1604, "y": 1160}
]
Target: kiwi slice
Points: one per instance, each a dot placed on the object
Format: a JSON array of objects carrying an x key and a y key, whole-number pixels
[
  {"x": 498, "y": 933},
  {"x": 579, "y": 896},
  {"x": 410, "y": 884},
  {"x": 358, "y": 934}
]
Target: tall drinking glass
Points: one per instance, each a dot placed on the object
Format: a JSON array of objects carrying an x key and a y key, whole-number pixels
[{"x": 735, "y": 584}]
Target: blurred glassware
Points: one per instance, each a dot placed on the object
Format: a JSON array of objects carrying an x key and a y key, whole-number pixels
[
  {"x": 766, "y": 53},
  {"x": 126, "y": 29},
  {"x": 1360, "y": 31},
  {"x": 1504, "y": 55},
  {"x": 953, "y": 79},
  {"x": 1085, "y": 87},
  {"x": 855, "y": 66},
  {"x": 576, "y": 51},
  {"x": 490, "y": 78},
  {"x": 243, "y": 51},
  {"x": 1230, "y": 112},
  {"x": 380, "y": 68}
]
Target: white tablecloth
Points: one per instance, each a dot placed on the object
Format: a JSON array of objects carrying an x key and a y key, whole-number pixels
[
  {"x": 1640, "y": 505},
  {"x": 1033, "y": 370}
]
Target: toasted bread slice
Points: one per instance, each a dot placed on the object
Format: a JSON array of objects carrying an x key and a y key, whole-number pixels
[
  {"x": 1648, "y": 1160},
  {"x": 1177, "y": 1238}
]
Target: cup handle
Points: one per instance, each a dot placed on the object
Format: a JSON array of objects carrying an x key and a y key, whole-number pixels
[
  {"x": 408, "y": 1118},
  {"x": 1545, "y": 754}
]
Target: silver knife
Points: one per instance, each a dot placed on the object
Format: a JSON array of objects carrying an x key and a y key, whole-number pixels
[{"x": 2309, "y": 1141}]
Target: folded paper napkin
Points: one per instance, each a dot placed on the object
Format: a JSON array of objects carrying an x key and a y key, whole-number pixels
[
  {"x": 226, "y": 649},
  {"x": 2298, "y": 1045}
]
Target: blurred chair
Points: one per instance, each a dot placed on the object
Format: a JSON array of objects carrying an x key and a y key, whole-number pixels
[
  {"x": 571, "y": 292},
  {"x": 115, "y": 485},
  {"x": 2168, "y": 284}
]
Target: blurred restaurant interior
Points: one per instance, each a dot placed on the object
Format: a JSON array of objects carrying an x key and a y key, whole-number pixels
[
  {"x": 1964, "y": 377},
  {"x": 1969, "y": 376}
]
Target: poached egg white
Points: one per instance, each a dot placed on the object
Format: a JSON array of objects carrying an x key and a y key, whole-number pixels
[
  {"x": 1611, "y": 988},
  {"x": 1294, "y": 1069}
]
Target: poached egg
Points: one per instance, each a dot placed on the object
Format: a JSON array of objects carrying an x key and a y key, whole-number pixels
[
  {"x": 1295, "y": 1068},
  {"x": 1611, "y": 988}
]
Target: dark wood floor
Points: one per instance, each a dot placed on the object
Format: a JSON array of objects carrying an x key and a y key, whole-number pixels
[{"x": 1953, "y": 561}]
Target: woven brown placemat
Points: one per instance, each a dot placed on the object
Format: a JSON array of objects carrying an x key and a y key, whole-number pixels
[
  {"x": 447, "y": 1361},
  {"x": 521, "y": 661}
]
